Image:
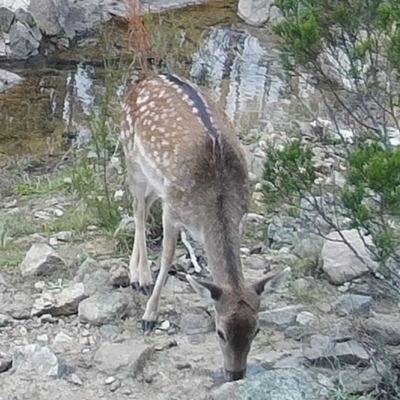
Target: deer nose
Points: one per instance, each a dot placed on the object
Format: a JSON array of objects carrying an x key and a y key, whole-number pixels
[{"x": 234, "y": 375}]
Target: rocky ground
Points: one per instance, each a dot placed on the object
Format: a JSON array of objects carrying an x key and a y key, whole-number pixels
[{"x": 70, "y": 324}]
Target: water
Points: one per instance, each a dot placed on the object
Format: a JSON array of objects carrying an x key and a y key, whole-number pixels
[{"x": 239, "y": 65}]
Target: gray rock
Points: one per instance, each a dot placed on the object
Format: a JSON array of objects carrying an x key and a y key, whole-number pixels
[
  {"x": 40, "y": 260},
  {"x": 36, "y": 359},
  {"x": 93, "y": 276},
  {"x": 119, "y": 274},
  {"x": 305, "y": 318},
  {"x": 279, "y": 384},
  {"x": 55, "y": 17},
  {"x": 279, "y": 318},
  {"x": 4, "y": 320},
  {"x": 102, "y": 308},
  {"x": 50, "y": 15},
  {"x": 6, "y": 19},
  {"x": 16, "y": 304},
  {"x": 258, "y": 12},
  {"x": 308, "y": 246},
  {"x": 385, "y": 328},
  {"x": 65, "y": 302},
  {"x": 339, "y": 261},
  {"x": 25, "y": 17},
  {"x": 128, "y": 357},
  {"x": 323, "y": 350},
  {"x": 23, "y": 41},
  {"x": 353, "y": 303},
  {"x": 196, "y": 324},
  {"x": 63, "y": 236},
  {"x": 8, "y": 80},
  {"x": 5, "y": 362},
  {"x": 63, "y": 342},
  {"x": 281, "y": 231}
]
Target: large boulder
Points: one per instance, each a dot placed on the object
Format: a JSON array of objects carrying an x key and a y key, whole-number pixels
[{"x": 345, "y": 260}]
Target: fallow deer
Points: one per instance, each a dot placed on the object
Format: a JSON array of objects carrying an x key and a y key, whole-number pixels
[{"x": 180, "y": 147}]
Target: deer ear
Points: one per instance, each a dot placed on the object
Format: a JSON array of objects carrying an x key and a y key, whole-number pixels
[
  {"x": 271, "y": 284},
  {"x": 207, "y": 290}
]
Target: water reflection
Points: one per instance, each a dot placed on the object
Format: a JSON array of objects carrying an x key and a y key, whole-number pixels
[
  {"x": 240, "y": 71},
  {"x": 79, "y": 101}
]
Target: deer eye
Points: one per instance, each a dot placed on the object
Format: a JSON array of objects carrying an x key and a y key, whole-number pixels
[{"x": 221, "y": 335}]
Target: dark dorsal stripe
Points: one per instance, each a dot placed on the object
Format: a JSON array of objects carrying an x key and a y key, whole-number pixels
[{"x": 198, "y": 103}]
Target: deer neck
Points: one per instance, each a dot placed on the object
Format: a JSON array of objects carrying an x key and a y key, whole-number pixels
[{"x": 222, "y": 246}]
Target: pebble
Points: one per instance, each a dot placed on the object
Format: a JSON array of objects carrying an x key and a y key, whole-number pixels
[
  {"x": 109, "y": 380},
  {"x": 115, "y": 385},
  {"x": 165, "y": 325}
]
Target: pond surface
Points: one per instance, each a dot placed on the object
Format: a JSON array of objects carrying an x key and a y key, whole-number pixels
[{"x": 239, "y": 64}]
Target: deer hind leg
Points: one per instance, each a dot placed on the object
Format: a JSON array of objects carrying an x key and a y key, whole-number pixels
[
  {"x": 168, "y": 252},
  {"x": 140, "y": 272}
]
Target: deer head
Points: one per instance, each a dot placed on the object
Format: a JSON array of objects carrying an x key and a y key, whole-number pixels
[{"x": 236, "y": 317}]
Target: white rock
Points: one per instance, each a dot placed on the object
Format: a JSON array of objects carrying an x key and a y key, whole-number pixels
[
  {"x": 305, "y": 318},
  {"x": 258, "y": 12},
  {"x": 165, "y": 325}
]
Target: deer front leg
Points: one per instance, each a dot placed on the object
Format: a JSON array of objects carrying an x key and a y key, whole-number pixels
[{"x": 168, "y": 252}]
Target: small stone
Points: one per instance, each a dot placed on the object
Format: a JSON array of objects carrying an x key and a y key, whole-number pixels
[
  {"x": 57, "y": 212},
  {"x": 63, "y": 236},
  {"x": 40, "y": 285},
  {"x": 74, "y": 378},
  {"x": 305, "y": 318},
  {"x": 44, "y": 215},
  {"x": 165, "y": 325},
  {"x": 109, "y": 380},
  {"x": 115, "y": 385},
  {"x": 185, "y": 365},
  {"x": 41, "y": 259}
]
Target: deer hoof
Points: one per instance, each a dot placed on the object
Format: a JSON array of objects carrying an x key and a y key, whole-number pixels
[
  {"x": 148, "y": 326},
  {"x": 135, "y": 285},
  {"x": 147, "y": 290}
]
